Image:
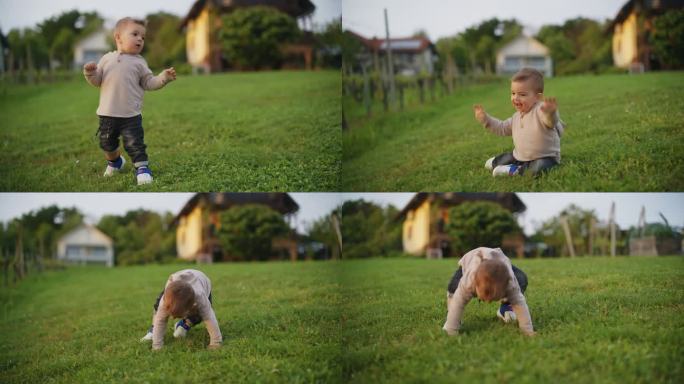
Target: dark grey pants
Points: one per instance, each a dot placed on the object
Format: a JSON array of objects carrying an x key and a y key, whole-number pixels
[
  {"x": 537, "y": 167},
  {"x": 520, "y": 276},
  {"x": 131, "y": 131}
]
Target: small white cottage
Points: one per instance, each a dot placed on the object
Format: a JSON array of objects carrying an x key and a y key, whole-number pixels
[
  {"x": 524, "y": 51},
  {"x": 86, "y": 245},
  {"x": 91, "y": 48}
]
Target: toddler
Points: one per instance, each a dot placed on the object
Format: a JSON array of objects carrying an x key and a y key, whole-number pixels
[
  {"x": 536, "y": 128},
  {"x": 123, "y": 78},
  {"x": 187, "y": 296},
  {"x": 486, "y": 273}
]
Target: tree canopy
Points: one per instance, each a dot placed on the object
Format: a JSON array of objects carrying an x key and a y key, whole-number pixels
[
  {"x": 246, "y": 231},
  {"x": 251, "y": 37},
  {"x": 479, "y": 224}
]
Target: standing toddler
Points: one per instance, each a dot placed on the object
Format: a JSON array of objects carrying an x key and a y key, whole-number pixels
[{"x": 123, "y": 77}]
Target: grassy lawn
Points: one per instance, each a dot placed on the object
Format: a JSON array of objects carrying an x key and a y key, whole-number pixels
[
  {"x": 267, "y": 131},
  {"x": 598, "y": 320},
  {"x": 624, "y": 134},
  {"x": 278, "y": 321}
]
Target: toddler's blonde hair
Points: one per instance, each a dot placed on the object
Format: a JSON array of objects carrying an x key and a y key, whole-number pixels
[
  {"x": 125, "y": 21},
  {"x": 491, "y": 280},
  {"x": 179, "y": 298},
  {"x": 535, "y": 77}
]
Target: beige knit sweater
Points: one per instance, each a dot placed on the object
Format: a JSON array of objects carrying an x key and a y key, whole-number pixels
[
  {"x": 123, "y": 79},
  {"x": 466, "y": 290},
  {"x": 534, "y": 134},
  {"x": 202, "y": 286}
]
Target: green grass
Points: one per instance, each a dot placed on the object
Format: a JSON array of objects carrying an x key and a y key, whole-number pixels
[
  {"x": 279, "y": 323},
  {"x": 267, "y": 131},
  {"x": 597, "y": 320},
  {"x": 624, "y": 134}
]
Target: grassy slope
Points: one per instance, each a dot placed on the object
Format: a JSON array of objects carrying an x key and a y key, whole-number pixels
[
  {"x": 275, "y": 131},
  {"x": 624, "y": 134},
  {"x": 598, "y": 320},
  {"x": 83, "y": 325}
]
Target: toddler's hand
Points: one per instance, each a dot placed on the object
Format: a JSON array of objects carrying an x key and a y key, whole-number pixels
[
  {"x": 550, "y": 105},
  {"x": 91, "y": 66},
  {"x": 480, "y": 113},
  {"x": 169, "y": 74}
]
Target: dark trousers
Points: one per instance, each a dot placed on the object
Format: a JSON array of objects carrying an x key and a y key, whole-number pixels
[
  {"x": 131, "y": 131},
  {"x": 194, "y": 319},
  {"x": 537, "y": 167},
  {"x": 520, "y": 276}
]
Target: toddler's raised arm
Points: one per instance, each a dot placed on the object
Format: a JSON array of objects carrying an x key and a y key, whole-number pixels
[
  {"x": 92, "y": 73},
  {"x": 494, "y": 125},
  {"x": 150, "y": 82}
]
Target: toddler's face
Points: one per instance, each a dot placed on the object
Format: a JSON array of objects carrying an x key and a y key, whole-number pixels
[
  {"x": 523, "y": 96},
  {"x": 131, "y": 39}
]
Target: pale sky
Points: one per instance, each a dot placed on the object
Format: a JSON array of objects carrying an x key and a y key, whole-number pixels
[
  {"x": 442, "y": 18},
  {"x": 540, "y": 206},
  {"x": 28, "y": 13}
]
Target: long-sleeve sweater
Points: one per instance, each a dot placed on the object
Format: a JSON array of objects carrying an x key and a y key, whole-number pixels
[
  {"x": 202, "y": 286},
  {"x": 535, "y": 135},
  {"x": 466, "y": 290},
  {"x": 123, "y": 79}
]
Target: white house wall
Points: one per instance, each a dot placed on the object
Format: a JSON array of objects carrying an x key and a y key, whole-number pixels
[
  {"x": 92, "y": 48},
  {"x": 86, "y": 239},
  {"x": 525, "y": 52}
]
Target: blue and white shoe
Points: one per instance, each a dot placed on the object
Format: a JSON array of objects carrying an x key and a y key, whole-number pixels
[
  {"x": 505, "y": 313},
  {"x": 114, "y": 166},
  {"x": 506, "y": 170},
  {"x": 143, "y": 175},
  {"x": 148, "y": 336},
  {"x": 181, "y": 329}
]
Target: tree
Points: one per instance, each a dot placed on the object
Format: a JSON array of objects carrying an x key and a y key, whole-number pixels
[
  {"x": 140, "y": 236},
  {"x": 479, "y": 224},
  {"x": 165, "y": 44},
  {"x": 580, "y": 222},
  {"x": 578, "y": 46},
  {"x": 368, "y": 230},
  {"x": 252, "y": 37},
  {"x": 668, "y": 39},
  {"x": 329, "y": 44},
  {"x": 246, "y": 231}
]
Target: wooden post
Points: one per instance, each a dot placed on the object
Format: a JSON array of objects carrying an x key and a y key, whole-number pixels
[
  {"x": 612, "y": 229},
  {"x": 401, "y": 97},
  {"x": 19, "y": 257},
  {"x": 421, "y": 86},
  {"x": 592, "y": 230},
  {"x": 335, "y": 223},
  {"x": 390, "y": 63},
  {"x": 568, "y": 235},
  {"x": 366, "y": 91},
  {"x": 432, "y": 88}
]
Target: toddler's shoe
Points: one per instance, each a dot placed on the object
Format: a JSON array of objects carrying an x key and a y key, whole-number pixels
[
  {"x": 489, "y": 164},
  {"x": 181, "y": 329},
  {"x": 505, "y": 313},
  {"x": 144, "y": 175},
  {"x": 506, "y": 170},
  {"x": 147, "y": 337},
  {"x": 114, "y": 166}
]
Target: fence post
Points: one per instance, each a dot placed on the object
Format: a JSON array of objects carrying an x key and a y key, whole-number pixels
[
  {"x": 421, "y": 86},
  {"x": 432, "y": 88},
  {"x": 366, "y": 92},
  {"x": 401, "y": 96}
]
